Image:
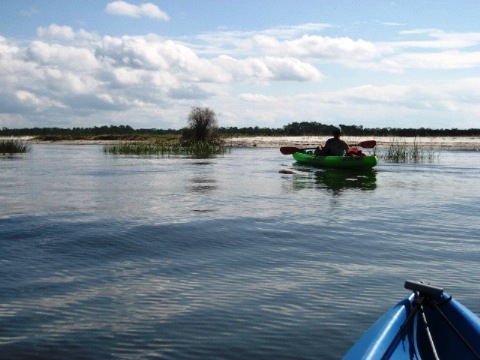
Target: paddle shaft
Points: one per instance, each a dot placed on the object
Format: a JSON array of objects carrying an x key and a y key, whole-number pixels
[{"x": 289, "y": 150}]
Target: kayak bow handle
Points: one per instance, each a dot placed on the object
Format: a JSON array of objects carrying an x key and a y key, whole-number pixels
[{"x": 423, "y": 288}]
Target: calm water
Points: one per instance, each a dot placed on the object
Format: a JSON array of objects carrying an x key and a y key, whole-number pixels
[{"x": 105, "y": 257}]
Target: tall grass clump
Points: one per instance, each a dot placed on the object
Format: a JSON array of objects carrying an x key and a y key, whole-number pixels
[
  {"x": 200, "y": 149},
  {"x": 13, "y": 146},
  {"x": 404, "y": 153}
]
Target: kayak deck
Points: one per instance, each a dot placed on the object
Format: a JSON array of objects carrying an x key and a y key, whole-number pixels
[
  {"x": 428, "y": 324},
  {"x": 341, "y": 162}
]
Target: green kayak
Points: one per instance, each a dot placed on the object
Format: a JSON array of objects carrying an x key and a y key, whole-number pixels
[{"x": 342, "y": 162}]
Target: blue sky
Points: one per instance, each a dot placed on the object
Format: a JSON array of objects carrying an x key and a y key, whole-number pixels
[{"x": 255, "y": 63}]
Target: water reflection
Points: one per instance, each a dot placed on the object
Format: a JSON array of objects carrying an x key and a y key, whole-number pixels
[
  {"x": 335, "y": 180},
  {"x": 203, "y": 184},
  {"x": 202, "y": 180},
  {"x": 16, "y": 156}
]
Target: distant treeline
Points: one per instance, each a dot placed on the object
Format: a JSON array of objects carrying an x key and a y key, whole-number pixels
[
  {"x": 293, "y": 129},
  {"x": 84, "y": 132}
]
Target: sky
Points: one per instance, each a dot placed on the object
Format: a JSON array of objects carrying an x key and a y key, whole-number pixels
[{"x": 265, "y": 63}]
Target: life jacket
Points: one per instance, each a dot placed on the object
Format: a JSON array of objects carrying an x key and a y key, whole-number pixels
[{"x": 355, "y": 152}]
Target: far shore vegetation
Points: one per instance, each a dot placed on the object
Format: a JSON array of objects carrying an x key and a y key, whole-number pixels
[{"x": 127, "y": 133}]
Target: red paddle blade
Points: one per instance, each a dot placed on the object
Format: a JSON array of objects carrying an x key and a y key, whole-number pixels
[
  {"x": 369, "y": 144},
  {"x": 288, "y": 150}
]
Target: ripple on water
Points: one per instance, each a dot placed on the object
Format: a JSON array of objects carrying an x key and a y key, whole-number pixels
[{"x": 230, "y": 260}]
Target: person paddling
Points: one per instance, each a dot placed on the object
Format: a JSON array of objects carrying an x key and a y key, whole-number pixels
[{"x": 334, "y": 146}]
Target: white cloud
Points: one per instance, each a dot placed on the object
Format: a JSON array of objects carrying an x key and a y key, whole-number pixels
[
  {"x": 151, "y": 53},
  {"x": 26, "y": 97},
  {"x": 289, "y": 32},
  {"x": 151, "y": 81},
  {"x": 265, "y": 69},
  {"x": 441, "y": 39},
  {"x": 62, "y": 32},
  {"x": 291, "y": 69},
  {"x": 124, "y": 8},
  {"x": 134, "y": 52},
  {"x": 258, "y": 98},
  {"x": 37, "y": 102},
  {"x": 78, "y": 59},
  {"x": 319, "y": 47},
  {"x": 56, "y": 32},
  {"x": 7, "y": 49},
  {"x": 446, "y": 60},
  {"x": 234, "y": 42}
]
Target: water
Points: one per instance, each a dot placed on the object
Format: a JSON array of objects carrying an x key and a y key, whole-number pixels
[{"x": 105, "y": 257}]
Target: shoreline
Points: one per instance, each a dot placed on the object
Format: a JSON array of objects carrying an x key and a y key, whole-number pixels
[{"x": 435, "y": 143}]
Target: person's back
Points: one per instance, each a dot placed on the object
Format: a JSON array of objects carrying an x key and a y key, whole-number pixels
[{"x": 334, "y": 146}]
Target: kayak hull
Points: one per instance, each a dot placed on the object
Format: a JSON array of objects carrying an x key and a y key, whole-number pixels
[
  {"x": 340, "y": 162},
  {"x": 401, "y": 333}
]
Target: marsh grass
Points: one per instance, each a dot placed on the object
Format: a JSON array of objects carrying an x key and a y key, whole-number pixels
[
  {"x": 12, "y": 146},
  {"x": 404, "y": 153},
  {"x": 198, "y": 149}
]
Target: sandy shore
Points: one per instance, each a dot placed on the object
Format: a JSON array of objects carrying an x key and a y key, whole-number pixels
[
  {"x": 447, "y": 143},
  {"x": 450, "y": 143}
]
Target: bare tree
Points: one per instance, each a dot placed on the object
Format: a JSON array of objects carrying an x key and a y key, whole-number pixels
[{"x": 202, "y": 126}]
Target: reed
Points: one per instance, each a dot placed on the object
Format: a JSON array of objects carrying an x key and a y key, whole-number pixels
[
  {"x": 401, "y": 152},
  {"x": 12, "y": 146},
  {"x": 199, "y": 149}
]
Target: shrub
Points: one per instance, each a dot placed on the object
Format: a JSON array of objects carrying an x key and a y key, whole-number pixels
[{"x": 202, "y": 127}]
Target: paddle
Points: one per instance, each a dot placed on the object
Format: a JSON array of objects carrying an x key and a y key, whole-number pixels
[
  {"x": 289, "y": 150},
  {"x": 367, "y": 144}
]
